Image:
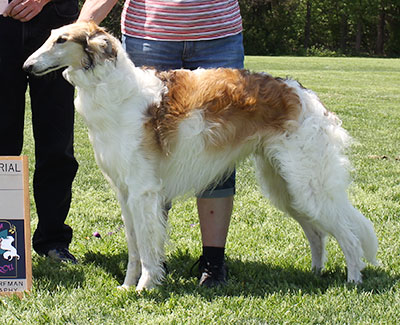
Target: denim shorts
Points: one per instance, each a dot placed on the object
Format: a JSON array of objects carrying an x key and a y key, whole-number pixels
[{"x": 224, "y": 52}]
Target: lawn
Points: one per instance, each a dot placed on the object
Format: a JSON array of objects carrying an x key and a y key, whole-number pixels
[{"x": 268, "y": 255}]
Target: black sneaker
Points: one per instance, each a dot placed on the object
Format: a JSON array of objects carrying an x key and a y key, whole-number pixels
[
  {"x": 61, "y": 255},
  {"x": 212, "y": 275}
]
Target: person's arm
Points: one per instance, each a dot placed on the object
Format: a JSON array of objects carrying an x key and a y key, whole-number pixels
[
  {"x": 24, "y": 10},
  {"x": 96, "y": 10}
]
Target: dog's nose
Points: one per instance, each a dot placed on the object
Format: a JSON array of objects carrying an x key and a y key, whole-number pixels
[{"x": 27, "y": 67}]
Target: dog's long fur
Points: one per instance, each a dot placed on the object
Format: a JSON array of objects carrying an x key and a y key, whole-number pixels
[{"x": 157, "y": 135}]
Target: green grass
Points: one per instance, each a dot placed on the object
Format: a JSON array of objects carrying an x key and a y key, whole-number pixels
[{"x": 268, "y": 255}]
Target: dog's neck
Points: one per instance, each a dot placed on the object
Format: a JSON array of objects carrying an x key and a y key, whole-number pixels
[
  {"x": 120, "y": 75},
  {"x": 105, "y": 89},
  {"x": 89, "y": 77}
]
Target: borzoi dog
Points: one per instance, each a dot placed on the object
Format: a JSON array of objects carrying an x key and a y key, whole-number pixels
[{"x": 157, "y": 135}]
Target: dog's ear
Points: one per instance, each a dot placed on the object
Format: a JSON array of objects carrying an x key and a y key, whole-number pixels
[{"x": 100, "y": 46}]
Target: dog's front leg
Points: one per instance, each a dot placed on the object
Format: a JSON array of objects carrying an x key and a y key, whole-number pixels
[
  {"x": 133, "y": 271},
  {"x": 150, "y": 229}
]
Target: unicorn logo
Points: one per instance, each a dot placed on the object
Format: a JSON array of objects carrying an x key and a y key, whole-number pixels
[{"x": 6, "y": 247}]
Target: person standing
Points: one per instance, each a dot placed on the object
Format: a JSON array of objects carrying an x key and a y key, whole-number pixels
[
  {"x": 186, "y": 34},
  {"x": 24, "y": 26}
]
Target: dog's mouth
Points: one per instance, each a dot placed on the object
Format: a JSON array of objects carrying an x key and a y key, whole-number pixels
[
  {"x": 45, "y": 71},
  {"x": 31, "y": 69}
]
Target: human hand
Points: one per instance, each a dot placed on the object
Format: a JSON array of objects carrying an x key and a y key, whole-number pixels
[{"x": 24, "y": 10}]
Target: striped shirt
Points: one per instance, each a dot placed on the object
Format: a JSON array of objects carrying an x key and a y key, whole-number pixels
[{"x": 181, "y": 20}]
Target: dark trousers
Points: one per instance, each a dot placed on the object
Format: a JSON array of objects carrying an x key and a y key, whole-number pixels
[{"x": 51, "y": 99}]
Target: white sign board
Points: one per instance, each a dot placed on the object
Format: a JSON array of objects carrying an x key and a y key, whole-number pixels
[{"x": 15, "y": 234}]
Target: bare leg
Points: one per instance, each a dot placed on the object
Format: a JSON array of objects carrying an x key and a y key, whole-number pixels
[{"x": 215, "y": 215}]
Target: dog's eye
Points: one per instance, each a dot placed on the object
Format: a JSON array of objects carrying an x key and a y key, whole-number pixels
[{"x": 61, "y": 39}]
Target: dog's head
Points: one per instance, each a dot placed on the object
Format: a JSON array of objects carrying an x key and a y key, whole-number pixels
[{"x": 80, "y": 45}]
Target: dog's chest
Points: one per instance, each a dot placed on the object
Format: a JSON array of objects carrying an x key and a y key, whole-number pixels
[
  {"x": 114, "y": 151},
  {"x": 107, "y": 150}
]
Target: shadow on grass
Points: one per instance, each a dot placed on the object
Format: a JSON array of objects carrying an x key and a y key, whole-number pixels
[
  {"x": 53, "y": 274},
  {"x": 245, "y": 278}
]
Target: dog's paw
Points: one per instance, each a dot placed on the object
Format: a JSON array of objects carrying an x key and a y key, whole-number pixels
[
  {"x": 354, "y": 278},
  {"x": 317, "y": 270},
  {"x": 123, "y": 287},
  {"x": 145, "y": 286},
  {"x": 377, "y": 263}
]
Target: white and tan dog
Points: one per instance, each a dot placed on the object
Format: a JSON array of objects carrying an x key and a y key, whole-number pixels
[{"x": 158, "y": 135}]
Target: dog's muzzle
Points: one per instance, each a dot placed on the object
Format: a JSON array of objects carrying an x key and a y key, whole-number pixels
[
  {"x": 27, "y": 67},
  {"x": 30, "y": 68}
]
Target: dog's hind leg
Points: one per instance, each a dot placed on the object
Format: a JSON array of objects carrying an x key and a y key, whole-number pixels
[
  {"x": 317, "y": 240},
  {"x": 311, "y": 163},
  {"x": 274, "y": 187}
]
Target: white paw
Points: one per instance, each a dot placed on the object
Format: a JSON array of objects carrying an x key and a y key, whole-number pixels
[
  {"x": 317, "y": 270},
  {"x": 355, "y": 278},
  {"x": 146, "y": 284},
  {"x": 124, "y": 287}
]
